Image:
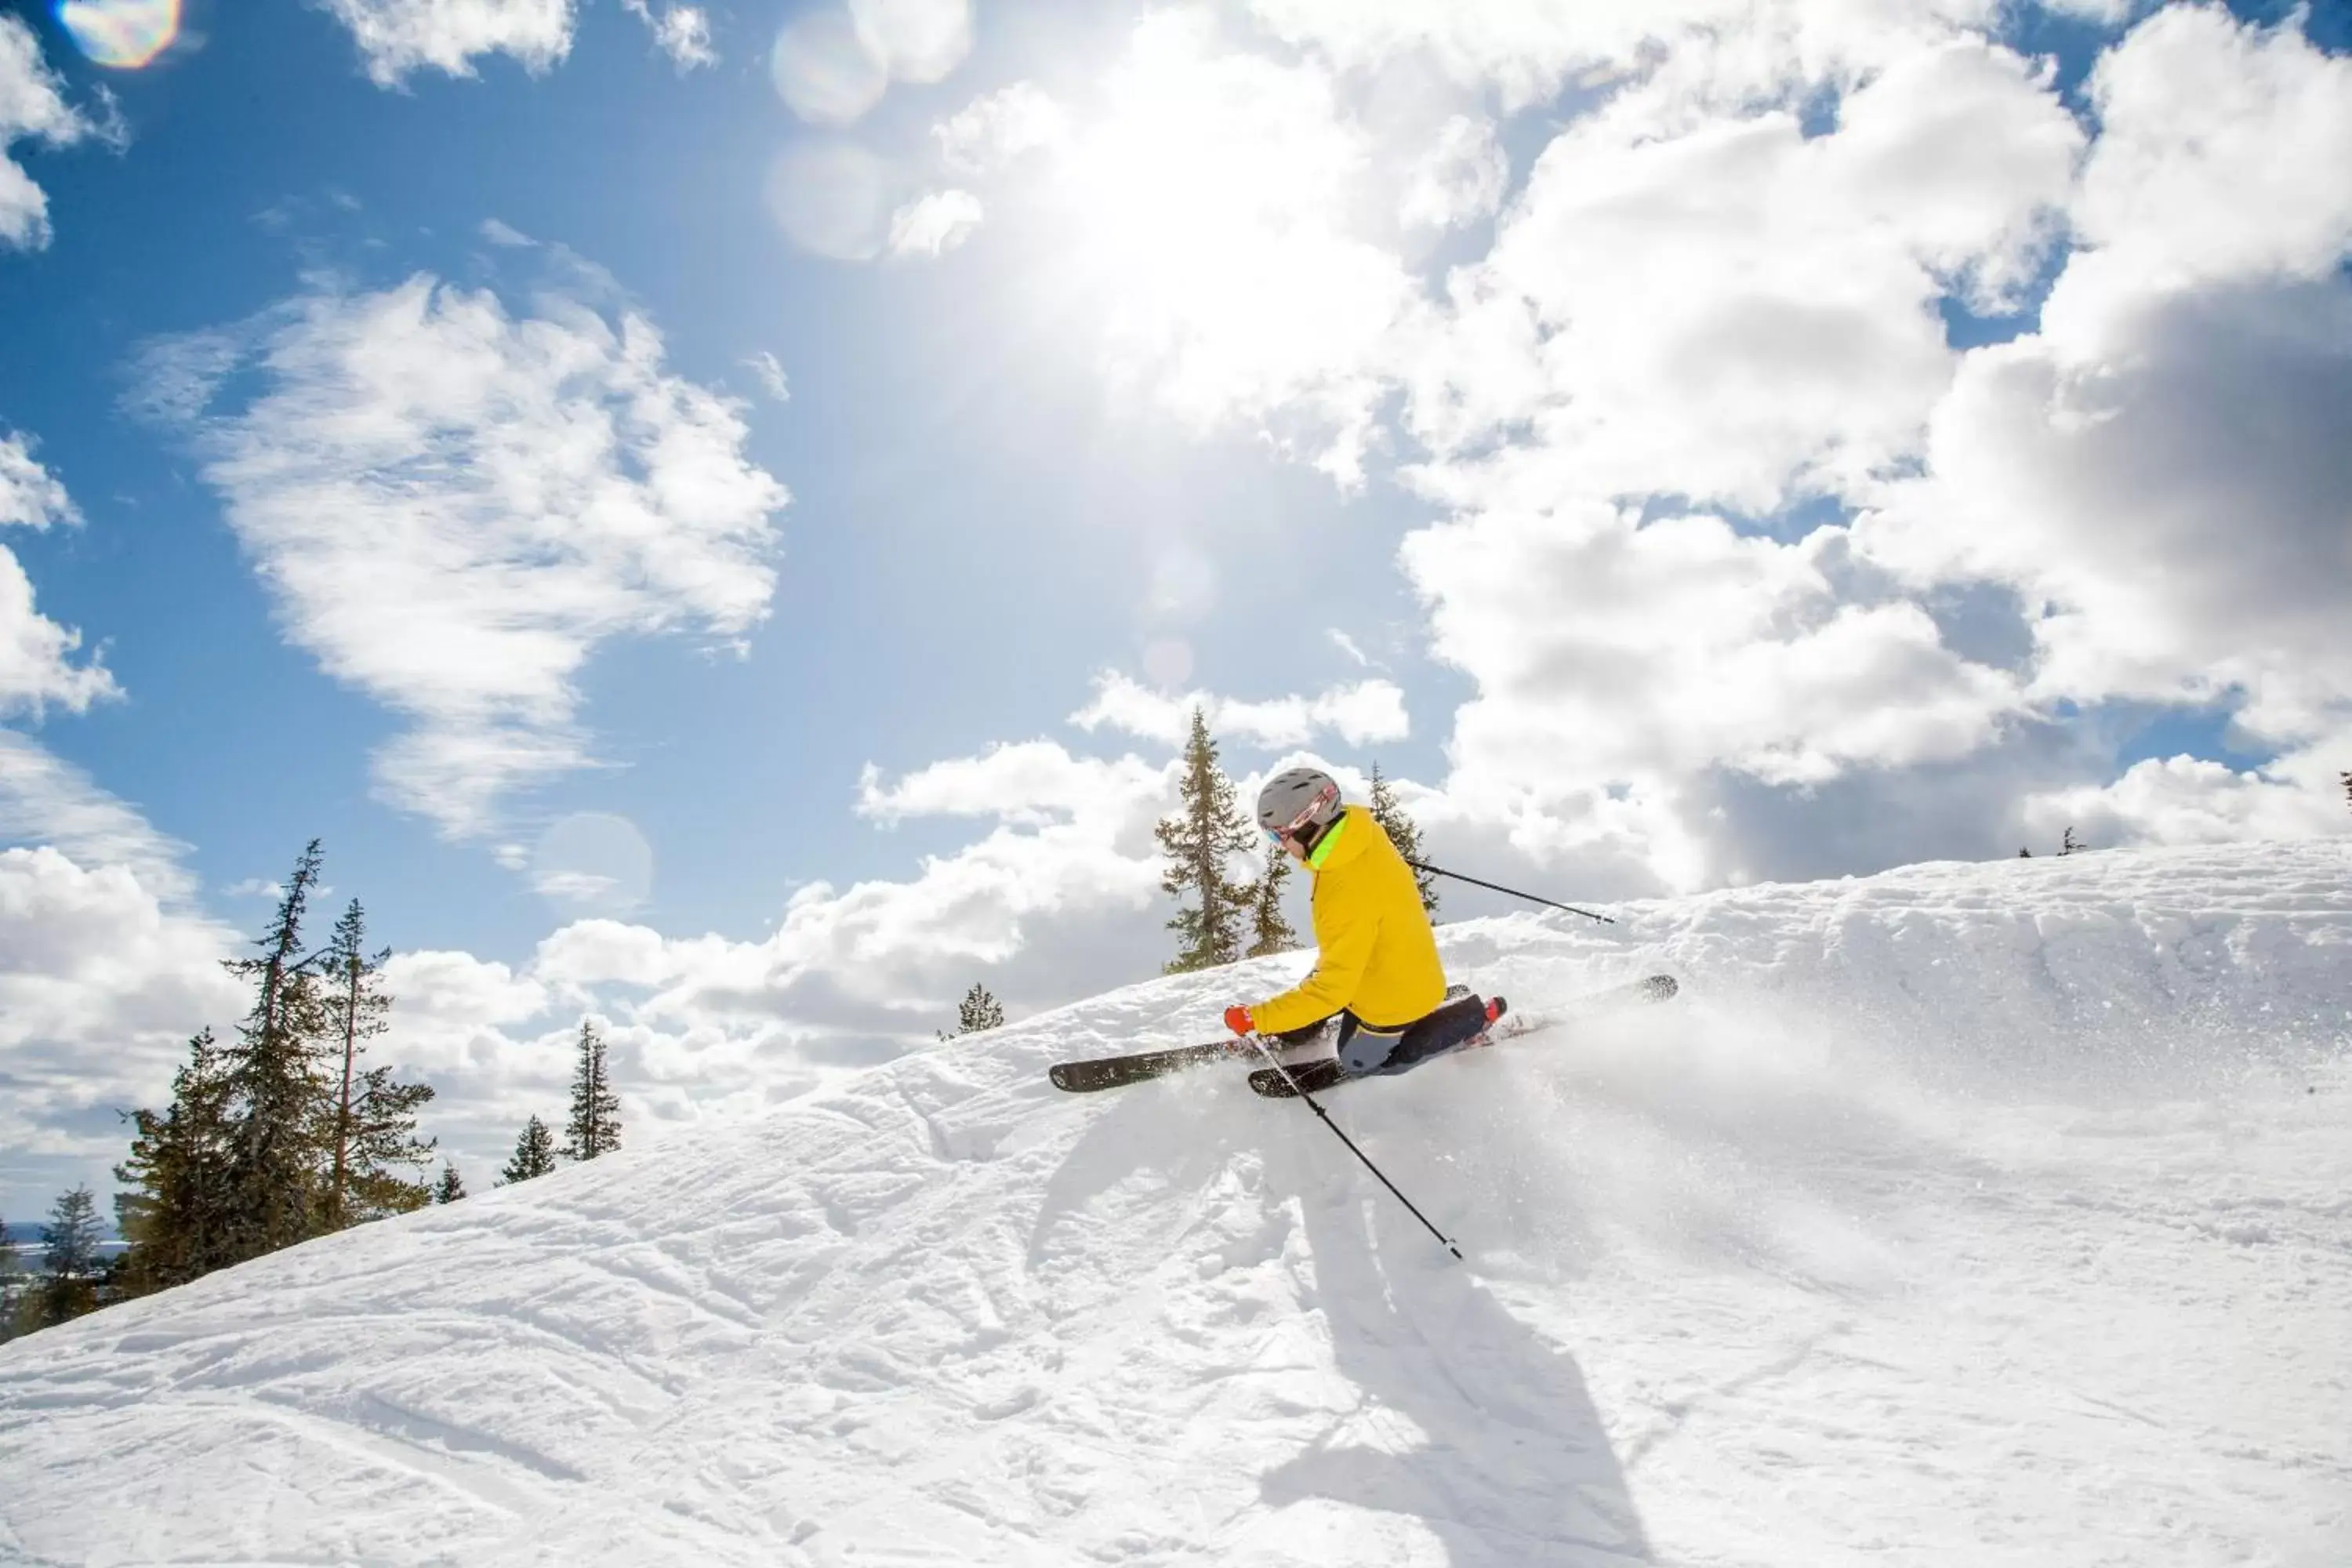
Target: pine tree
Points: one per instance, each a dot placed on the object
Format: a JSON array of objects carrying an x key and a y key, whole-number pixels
[
  {"x": 1207, "y": 830},
  {"x": 596, "y": 1125},
  {"x": 275, "y": 1086},
  {"x": 355, "y": 1013},
  {"x": 534, "y": 1154},
  {"x": 2026, "y": 853},
  {"x": 173, "y": 1206},
  {"x": 451, "y": 1186},
  {"x": 2347, "y": 789},
  {"x": 2068, "y": 845},
  {"x": 69, "y": 1263},
  {"x": 382, "y": 1136},
  {"x": 1402, "y": 833},
  {"x": 8, "y": 1293},
  {"x": 979, "y": 1011},
  {"x": 1269, "y": 932}
]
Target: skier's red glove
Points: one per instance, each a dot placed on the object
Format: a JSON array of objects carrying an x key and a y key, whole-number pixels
[{"x": 1239, "y": 1021}]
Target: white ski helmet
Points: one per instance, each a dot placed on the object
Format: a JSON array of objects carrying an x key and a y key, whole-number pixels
[{"x": 1300, "y": 801}]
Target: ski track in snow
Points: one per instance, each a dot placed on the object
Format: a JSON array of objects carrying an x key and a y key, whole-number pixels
[{"x": 1989, "y": 1215}]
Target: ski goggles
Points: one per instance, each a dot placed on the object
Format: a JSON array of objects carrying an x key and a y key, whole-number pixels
[{"x": 1290, "y": 830}]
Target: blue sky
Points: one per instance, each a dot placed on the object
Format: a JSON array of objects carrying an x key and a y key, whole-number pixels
[
  {"x": 1626, "y": 433},
  {"x": 970, "y": 537}
]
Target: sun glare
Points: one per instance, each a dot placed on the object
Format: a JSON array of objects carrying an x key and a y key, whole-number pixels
[{"x": 1201, "y": 174}]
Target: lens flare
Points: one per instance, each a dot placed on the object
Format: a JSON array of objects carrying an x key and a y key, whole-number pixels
[{"x": 121, "y": 33}]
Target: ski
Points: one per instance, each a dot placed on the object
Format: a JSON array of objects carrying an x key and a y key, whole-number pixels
[
  {"x": 1117, "y": 1072},
  {"x": 1325, "y": 1072},
  {"x": 1112, "y": 1072}
]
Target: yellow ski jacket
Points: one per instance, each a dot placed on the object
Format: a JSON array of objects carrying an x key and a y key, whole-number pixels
[{"x": 1377, "y": 956}]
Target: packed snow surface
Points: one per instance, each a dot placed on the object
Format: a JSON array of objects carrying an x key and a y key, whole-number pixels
[{"x": 1985, "y": 1214}]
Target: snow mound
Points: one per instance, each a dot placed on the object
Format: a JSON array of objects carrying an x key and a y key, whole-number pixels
[{"x": 1988, "y": 1213}]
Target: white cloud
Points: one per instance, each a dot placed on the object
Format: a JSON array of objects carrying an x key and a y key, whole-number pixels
[
  {"x": 1460, "y": 178},
  {"x": 30, "y": 496},
  {"x": 765, "y": 365},
  {"x": 2110, "y": 12},
  {"x": 681, "y": 32},
  {"x": 1616, "y": 663},
  {"x": 100, "y": 986},
  {"x": 506, "y": 236},
  {"x": 934, "y": 224},
  {"x": 1346, "y": 645},
  {"x": 36, "y": 668},
  {"x": 1026, "y": 785},
  {"x": 993, "y": 131},
  {"x": 2162, "y": 471},
  {"x": 2222, "y": 154},
  {"x": 1362, "y": 714},
  {"x": 454, "y": 508},
  {"x": 2188, "y": 800},
  {"x": 398, "y": 37},
  {"x": 32, "y": 108},
  {"x": 1740, "y": 311},
  {"x": 1747, "y": 50},
  {"x": 48, "y": 801},
  {"x": 831, "y": 64}
]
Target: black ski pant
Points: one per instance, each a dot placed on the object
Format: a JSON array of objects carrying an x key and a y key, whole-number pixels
[{"x": 1370, "y": 1049}]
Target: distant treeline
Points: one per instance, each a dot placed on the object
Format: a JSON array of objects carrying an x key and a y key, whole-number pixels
[{"x": 283, "y": 1134}]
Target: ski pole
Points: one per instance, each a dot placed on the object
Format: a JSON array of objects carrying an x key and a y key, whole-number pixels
[
  {"x": 1497, "y": 887},
  {"x": 1300, "y": 1090}
]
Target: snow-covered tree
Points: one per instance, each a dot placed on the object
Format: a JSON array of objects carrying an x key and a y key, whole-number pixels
[
  {"x": 978, "y": 1010},
  {"x": 1206, "y": 831}
]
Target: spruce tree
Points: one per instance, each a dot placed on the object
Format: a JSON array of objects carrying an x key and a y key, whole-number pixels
[
  {"x": 594, "y": 1127},
  {"x": 355, "y": 1013},
  {"x": 70, "y": 1271},
  {"x": 2347, "y": 789},
  {"x": 382, "y": 1137},
  {"x": 450, "y": 1187},
  {"x": 1269, "y": 932},
  {"x": 2067, "y": 844},
  {"x": 9, "y": 1292},
  {"x": 1207, "y": 830},
  {"x": 534, "y": 1154},
  {"x": 172, "y": 1208},
  {"x": 1402, "y": 833},
  {"x": 979, "y": 1011},
  {"x": 277, "y": 1087}
]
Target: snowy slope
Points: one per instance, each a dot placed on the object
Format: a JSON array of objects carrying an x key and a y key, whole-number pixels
[{"x": 1985, "y": 1214}]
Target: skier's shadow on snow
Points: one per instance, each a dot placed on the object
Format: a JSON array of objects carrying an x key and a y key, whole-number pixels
[{"x": 1509, "y": 1464}]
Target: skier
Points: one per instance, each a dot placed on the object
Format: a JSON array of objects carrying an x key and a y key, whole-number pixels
[{"x": 1376, "y": 965}]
